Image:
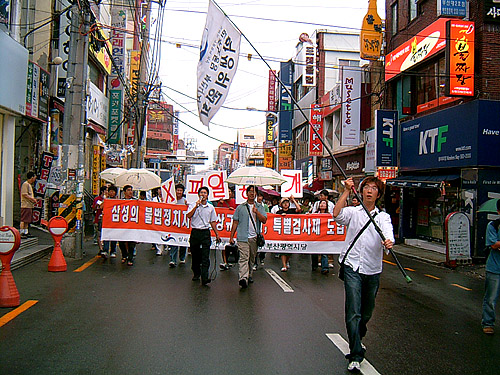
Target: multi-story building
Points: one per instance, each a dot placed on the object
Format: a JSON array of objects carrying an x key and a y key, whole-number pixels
[{"x": 441, "y": 73}]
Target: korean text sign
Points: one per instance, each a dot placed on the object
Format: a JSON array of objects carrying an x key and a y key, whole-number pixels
[
  {"x": 460, "y": 57},
  {"x": 152, "y": 222}
]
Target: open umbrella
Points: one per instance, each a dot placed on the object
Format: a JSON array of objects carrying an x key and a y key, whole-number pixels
[
  {"x": 139, "y": 179},
  {"x": 489, "y": 206},
  {"x": 110, "y": 174},
  {"x": 258, "y": 176}
]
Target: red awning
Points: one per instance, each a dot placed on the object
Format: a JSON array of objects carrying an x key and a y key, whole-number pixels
[{"x": 97, "y": 128}]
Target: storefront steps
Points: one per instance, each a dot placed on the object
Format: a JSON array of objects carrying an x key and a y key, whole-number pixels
[
  {"x": 420, "y": 253},
  {"x": 32, "y": 249}
]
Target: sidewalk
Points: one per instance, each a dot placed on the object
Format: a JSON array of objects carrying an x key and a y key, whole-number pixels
[{"x": 37, "y": 247}]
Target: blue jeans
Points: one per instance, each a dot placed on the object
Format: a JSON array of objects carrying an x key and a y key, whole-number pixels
[
  {"x": 173, "y": 253},
  {"x": 492, "y": 290},
  {"x": 107, "y": 246},
  {"x": 324, "y": 262},
  {"x": 360, "y": 293}
]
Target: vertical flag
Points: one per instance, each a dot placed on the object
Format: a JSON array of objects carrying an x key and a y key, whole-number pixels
[{"x": 219, "y": 52}]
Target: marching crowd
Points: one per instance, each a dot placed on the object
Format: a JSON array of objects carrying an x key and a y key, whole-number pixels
[{"x": 361, "y": 261}]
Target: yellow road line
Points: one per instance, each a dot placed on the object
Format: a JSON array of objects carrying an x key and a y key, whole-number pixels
[
  {"x": 11, "y": 315},
  {"x": 461, "y": 287},
  {"x": 386, "y": 261},
  {"x": 409, "y": 269},
  {"x": 88, "y": 264},
  {"x": 432, "y": 277}
]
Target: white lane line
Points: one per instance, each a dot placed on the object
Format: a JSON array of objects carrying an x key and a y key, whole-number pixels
[
  {"x": 366, "y": 367},
  {"x": 282, "y": 283}
]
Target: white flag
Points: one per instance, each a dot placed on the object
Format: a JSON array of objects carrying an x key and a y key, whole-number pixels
[
  {"x": 219, "y": 52},
  {"x": 168, "y": 191}
]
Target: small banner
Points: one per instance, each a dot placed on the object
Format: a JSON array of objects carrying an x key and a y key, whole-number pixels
[{"x": 151, "y": 222}]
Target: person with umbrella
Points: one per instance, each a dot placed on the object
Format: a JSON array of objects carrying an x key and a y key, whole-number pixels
[
  {"x": 492, "y": 282},
  {"x": 202, "y": 216},
  {"x": 247, "y": 219}
]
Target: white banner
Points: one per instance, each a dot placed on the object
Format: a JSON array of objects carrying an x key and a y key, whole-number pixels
[
  {"x": 219, "y": 52},
  {"x": 293, "y": 184},
  {"x": 351, "y": 106},
  {"x": 214, "y": 181}
]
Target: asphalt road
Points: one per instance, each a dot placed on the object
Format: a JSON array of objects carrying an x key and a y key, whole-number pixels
[{"x": 152, "y": 319}]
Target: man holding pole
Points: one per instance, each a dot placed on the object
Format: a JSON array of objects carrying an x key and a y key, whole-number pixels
[{"x": 362, "y": 260}]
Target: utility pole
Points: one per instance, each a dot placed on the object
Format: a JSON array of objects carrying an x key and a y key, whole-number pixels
[{"x": 74, "y": 131}]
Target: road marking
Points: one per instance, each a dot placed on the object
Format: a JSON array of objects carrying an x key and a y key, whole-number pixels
[
  {"x": 386, "y": 261},
  {"x": 282, "y": 283},
  {"x": 88, "y": 264},
  {"x": 343, "y": 346},
  {"x": 11, "y": 315},
  {"x": 432, "y": 276},
  {"x": 461, "y": 287},
  {"x": 409, "y": 269}
]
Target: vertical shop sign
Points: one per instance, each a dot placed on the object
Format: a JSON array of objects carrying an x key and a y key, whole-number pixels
[
  {"x": 41, "y": 185},
  {"x": 270, "y": 122},
  {"x": 95, "y": 169},
  {"x": 351, "y": 106},
  {"x": 460, "y": 58},
  {"x": 309, "y": 75},
  {"x": 135, "y": 62},
  {"x": 115, "y": 116},
  {"x": 387, "y": 125},
  {"x": 315, "y": 145},
  {"x": 271, "y": 91},
  {"x": 175, "y": 132},
  {"x": 286, "y": 106}
]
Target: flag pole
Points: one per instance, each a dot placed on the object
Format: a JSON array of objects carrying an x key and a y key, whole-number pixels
[{"x": 344, "y": 174}]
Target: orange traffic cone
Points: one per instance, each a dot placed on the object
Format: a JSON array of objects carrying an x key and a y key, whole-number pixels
[
  {"x": 9, "y": 296},
  {"x": 57, "y": 262}
]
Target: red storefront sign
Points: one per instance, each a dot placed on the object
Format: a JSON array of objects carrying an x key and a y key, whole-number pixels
[
  {"x": 460, "y": 58},
  {"x": 315, "y": 145}
]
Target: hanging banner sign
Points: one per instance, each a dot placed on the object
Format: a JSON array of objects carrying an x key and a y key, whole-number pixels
[
  {"x": 460, "y": 58},
  {"x": 351, "y": 106},
  {"x": 315, "y": 145},
  {"x": 387, "y": 124},
  {"x": 151, "y": 222},
  {"x": 286, "y": 112},
  {"x": 219, "y": 53}
]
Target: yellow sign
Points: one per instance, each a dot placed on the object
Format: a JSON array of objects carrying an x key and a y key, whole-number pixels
[
  {"x": 268, "y": 158},
  {"x": 285, "y": 149},
  {"x": 96, "y": 164},
  {"x": 102, "y": 55},
  {"x": 371, "y": 34},
  {"x": 285, "y": 162},
  {"x": 135, "y": 71}
]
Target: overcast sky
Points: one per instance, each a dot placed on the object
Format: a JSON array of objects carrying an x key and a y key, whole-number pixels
[{"x": 272, "y": 26}]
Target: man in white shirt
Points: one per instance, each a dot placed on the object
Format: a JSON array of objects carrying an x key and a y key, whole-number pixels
[
  {"x": 363, "y": 264},
  {"x": 202, "y": 216}
]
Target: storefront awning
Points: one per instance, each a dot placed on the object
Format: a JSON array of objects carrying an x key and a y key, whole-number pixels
[{"x": 431, "y": 182}]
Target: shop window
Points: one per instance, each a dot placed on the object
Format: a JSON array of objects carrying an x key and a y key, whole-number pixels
[
  {"x": 394, "y": 15},
  {"x": 430, "y": 82}
]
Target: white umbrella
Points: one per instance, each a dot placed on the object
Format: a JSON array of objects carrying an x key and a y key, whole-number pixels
[
  {"x": 139, "y": 179},
  {"x": 259, "y": 176},
  {"x": 110, "y": 174}
]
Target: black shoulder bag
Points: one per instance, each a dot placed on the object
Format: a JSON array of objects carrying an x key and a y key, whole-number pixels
[
  {"x": 260, "y": 238},
  {"x": 341, "y": 269}
]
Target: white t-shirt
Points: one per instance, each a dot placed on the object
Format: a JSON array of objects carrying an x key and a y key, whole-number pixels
[{"x": 251, "y": 228}]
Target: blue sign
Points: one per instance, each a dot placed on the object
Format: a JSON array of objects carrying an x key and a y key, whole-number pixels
[
  {"x": 387, "y": 138},
  {"x": 466, "y": 135},
  {"x": 286, "y": 103},
  {"x": 456, "y": 8}
]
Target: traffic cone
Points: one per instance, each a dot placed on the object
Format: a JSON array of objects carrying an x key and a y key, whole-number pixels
[
  {"x": 57, "y": 262},
  {"x": 9, "y": 296}
]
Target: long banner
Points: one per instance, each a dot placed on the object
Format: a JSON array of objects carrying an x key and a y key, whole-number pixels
[{"x": 152, "y": 222}]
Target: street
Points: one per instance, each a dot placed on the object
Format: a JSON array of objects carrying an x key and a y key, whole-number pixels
[{"x": 152, "y": 319}]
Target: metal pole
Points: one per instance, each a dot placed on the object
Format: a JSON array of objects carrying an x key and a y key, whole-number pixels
[{"x": 81, "y": 141}]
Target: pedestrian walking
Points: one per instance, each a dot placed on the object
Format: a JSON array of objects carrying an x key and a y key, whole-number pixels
[
  {"x": 322, "y": 209},
  {"x": 109, "y": 247},
  {"x": 492, "y": 282},
  {"x": 286, "y": 210},
  {"x": 28, "y": 201},
  {"x": 181, "y": 250},
  {"x": 362, "y": 260},
  {"x": 247, "y": 219},
  {"x": 202, "y": 216},
  {"x": 259, "y": 258},
  {"x": 323, "y": 197},
  {"x": 128, "y": 247},
  {"x": 97, "y": 208},
  {"x": 231, "y": 204}
]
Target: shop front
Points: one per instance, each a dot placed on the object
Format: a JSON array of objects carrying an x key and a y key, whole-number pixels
[
  {"x": 443, "y": 161},
  {"x": 353, "y": 164}
]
